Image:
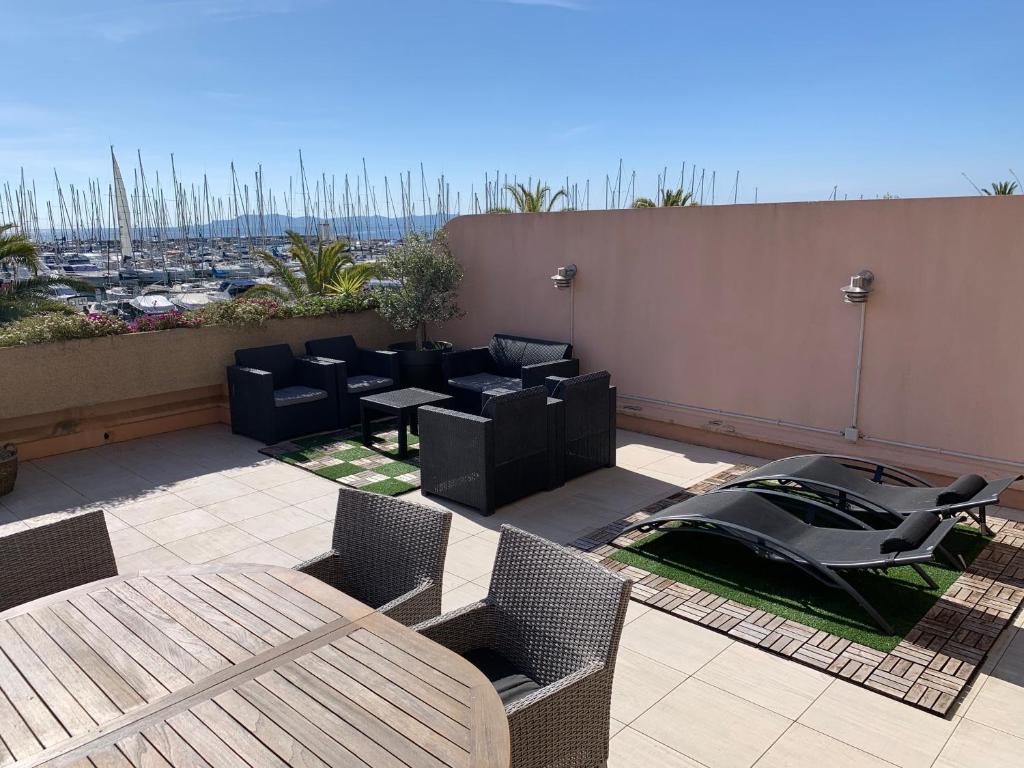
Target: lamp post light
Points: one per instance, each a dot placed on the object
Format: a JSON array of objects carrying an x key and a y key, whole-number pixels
[{"x": 857, "y": 292}]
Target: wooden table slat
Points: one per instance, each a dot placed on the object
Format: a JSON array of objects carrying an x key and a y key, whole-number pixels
[
  {"x": 71, "y": 676},
  {"x": 294, "y": 596},
  {"x": 173, "y": 747},
  {"x": 299, "y": 728},
  {"x": 169, "y": 676},
  {"x": 248, "y": 635},
  {"x": 170, "y": 626},
  {"x": 251, "y": 622},
  {"x": 224, "y": 666},
  {"x": 287, "y": 748},
  {"x": 215, "y": 638},
  {"x": 32, "y": 710},
  {"x": 398, "y": 694},
  {"x": 116, "y": 681},
  {"x": 322, "y": 717},
  {"x": 303, "y": 619},
  {"x": 150, "y": 634}
]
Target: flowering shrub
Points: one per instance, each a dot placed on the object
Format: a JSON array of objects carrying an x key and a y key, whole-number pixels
[
  {"x": 246, "y": 312},
  {"x": 243, "y": 311},
  {"x": 40, "y": 329},
  {"x": 165, "y": 322}
]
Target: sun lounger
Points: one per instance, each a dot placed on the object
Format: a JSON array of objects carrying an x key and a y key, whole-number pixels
[
  {"x": 769, "y": 524},
  {"x": 877, "y": 489}
]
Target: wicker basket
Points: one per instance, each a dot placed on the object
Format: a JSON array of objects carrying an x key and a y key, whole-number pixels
[{"x": 8, "y": 468}]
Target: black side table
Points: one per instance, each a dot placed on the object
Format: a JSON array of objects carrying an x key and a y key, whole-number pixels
[{"x": 401, "y": 403}]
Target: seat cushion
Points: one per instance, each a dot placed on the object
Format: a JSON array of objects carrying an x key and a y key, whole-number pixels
[
  {"x": 367, "y": 383},
  {"x": 510, "y": 683},
  {"x": 479, "y": 382},
  {"x": 297, "y": 395}
]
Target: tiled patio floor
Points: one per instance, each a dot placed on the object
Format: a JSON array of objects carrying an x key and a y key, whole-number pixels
[{"x": 684, "y": 695}]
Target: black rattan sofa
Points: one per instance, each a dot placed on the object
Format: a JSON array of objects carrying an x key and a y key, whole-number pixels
[
  {"x": 589, "y": 421},
  {"x": 274, "y": 395},
  {"x": 362, "y": 372},
  {"x": 509, "y": 451},
  {"x": 507, "y": 362}
]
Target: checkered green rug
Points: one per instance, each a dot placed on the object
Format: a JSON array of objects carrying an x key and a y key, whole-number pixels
[{"x": 341, "y": 456}]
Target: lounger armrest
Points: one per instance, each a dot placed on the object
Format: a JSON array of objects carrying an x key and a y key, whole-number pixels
[
  {"x": 457, "y": 456},
  {"x": 534, "y": 375},
  {"x": 466, "y": 628},
  {"x": 380, "y": 363},
  {"x": 319, "y": 372},
  {"x": 465, "y": 362}
]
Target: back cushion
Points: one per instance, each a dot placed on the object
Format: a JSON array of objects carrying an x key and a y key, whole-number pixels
[
  {"x": 277, "y": 359},
  {"x": 511, "y": 353},
  {"x": 337, "y": 348},
  {"x": 520, "y": 423}
]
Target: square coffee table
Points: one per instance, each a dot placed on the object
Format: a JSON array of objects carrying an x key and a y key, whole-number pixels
[{"x": 401, "y": 403}]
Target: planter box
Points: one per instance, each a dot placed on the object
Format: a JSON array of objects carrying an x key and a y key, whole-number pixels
[{"x": 78, "y": 394}]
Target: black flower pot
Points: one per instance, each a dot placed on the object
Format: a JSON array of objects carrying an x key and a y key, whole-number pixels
[{"x": 421, "y": 367}]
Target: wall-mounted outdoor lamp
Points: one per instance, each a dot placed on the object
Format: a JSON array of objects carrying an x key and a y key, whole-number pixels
[
  {"x": 563, "y": 279},
  {"x": 859, "y": 289},
  {"x": 564, "y": 276},
  {"x": 857, "y": 292}
]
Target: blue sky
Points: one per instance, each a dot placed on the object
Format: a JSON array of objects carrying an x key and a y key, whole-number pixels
[{"x": 875, "y": 97}]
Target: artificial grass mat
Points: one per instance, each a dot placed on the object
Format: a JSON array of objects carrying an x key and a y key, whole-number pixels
[
  {"x": 341, "y": 456},
  {"x": 728, "y": 569}
]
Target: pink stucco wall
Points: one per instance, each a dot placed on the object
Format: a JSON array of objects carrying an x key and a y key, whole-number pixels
[{"x": 737, "y": 309}]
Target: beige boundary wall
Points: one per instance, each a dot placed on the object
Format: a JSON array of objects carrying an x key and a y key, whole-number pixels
[
  {"x": 78, "y": 394},
  {"x": 725, "y": 325}
]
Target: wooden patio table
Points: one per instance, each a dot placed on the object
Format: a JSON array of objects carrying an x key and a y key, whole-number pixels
[{"x": 234, "y": 665}]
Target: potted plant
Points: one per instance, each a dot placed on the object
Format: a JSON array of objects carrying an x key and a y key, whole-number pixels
[{"x": 419, "y": 281}]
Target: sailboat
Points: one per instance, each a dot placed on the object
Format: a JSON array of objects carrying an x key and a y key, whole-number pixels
[{"x": 124, "y": 222}]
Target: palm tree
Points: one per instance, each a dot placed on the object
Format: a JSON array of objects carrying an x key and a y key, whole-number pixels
[
  {"x": 321, "y": 268},
  {"x": 28, "y": 296},
  {"x": 1002, "y": 188},
  {"x": 530, "y": 200},
  {"x": 353, "y": 279},
  {"x": 670, "y": 198}
]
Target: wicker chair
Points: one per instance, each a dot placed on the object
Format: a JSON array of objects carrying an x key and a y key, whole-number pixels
[
  {"x": 362, "y": 372},
  {"x": 274, "y": 395},
  {"x": 51, "y": 558},
  {"x": 388, "y": 553},
  {"x": 589, "y": 421},
  {"x": 507, "y": 362},
  {"x": 546, "y": 635},
  {"x": 490, "y": 460}
]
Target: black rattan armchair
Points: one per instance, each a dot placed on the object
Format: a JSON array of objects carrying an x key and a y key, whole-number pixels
[
  {"x": 364, "y": 372},
  {"x": 274, "y": 395},
  {"x": 50, "y": 558},
  {"x": 388, "y": 553},
  {"x": 508, "y": 362},
  {"x": 546, "y": 635},
  {"x": 486, "y": 461},
  {"x": 589, "y": 421}
]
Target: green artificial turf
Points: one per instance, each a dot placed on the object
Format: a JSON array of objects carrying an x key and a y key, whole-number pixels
[
  {"x": 728, "y": 569},
  {"x": 341, "y": 456}
]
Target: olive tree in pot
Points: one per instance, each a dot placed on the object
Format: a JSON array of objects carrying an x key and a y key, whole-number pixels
[{"x": 419, "y": 281}]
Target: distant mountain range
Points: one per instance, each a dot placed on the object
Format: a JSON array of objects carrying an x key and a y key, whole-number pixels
[{"x": 355, "y": 228}]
